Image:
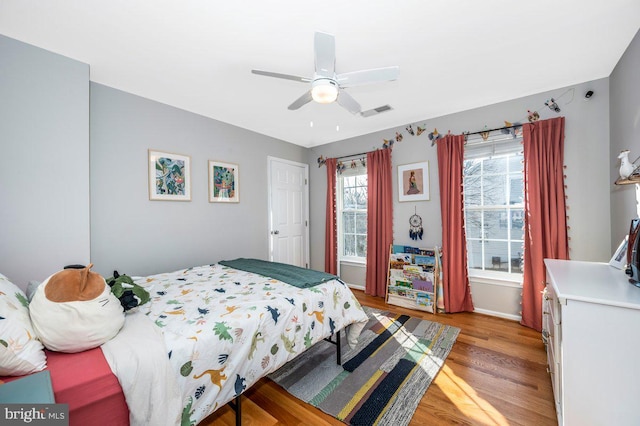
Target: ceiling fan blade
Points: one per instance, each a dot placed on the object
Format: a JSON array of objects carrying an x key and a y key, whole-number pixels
[
  {"x": 302, "y": 100},
  {"x": 285, "y": 76},
  {"x": 359, "y": 78},
  {"x": 325, "y": 54},
  {"x": 347, "y": 101}
]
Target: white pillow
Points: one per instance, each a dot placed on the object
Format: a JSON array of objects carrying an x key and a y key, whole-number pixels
[
  {"x": 31, "y": 289},
  {"x": 20, "y": 350},
  {"x": 76, "y": 326}
]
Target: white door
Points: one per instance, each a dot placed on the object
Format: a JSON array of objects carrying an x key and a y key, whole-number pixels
[{"x": 288, "y": 212}]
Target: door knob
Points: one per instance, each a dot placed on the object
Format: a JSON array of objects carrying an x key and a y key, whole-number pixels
[{"x": 276, "y": 232}]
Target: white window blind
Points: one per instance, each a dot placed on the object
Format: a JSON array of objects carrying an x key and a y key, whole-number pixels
[
  {"x": 352, "y": 211},
  {"x": 493, "y": 203}
]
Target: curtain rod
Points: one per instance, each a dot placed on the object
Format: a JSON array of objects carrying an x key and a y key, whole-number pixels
[
  {"x": 352, "y": 155},
  {"x": 513, "y": 126}
]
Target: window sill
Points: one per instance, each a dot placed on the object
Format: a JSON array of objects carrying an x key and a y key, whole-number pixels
[
  {"x": 496, "y": 278},
  {"x": 353, "y": 262}
]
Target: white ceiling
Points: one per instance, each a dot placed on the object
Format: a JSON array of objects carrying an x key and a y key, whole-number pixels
[{"x": 453, "y": 55}]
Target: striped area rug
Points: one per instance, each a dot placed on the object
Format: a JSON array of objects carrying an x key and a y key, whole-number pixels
[{"x": 382, "y": 380}]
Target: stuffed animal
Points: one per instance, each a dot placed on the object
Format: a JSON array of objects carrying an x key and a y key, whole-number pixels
[
  {"x": 129, "y": 293},
  {"x": 626, "y": 166},
  {"x": 74, "y": 310}
]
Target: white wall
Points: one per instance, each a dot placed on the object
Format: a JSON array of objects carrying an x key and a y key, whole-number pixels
[{"x": 44, "y": 147}]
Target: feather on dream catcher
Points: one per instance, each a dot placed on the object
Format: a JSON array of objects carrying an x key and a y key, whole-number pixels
[{"x": 415, "y": 227}]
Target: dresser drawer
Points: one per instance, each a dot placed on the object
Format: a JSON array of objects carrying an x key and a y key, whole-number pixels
[
  {"x": 551, "y": 336},
  {"x": 551, "y": 305}
]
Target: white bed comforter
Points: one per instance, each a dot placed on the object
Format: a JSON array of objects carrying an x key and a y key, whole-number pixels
[
  {"x": 137, "y": 356},
  {"x": 222, "y": 330}
]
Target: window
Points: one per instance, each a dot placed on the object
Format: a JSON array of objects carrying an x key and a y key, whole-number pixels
[
  {"x": 352, "y": 213},
  {"x": 493, "y": 205}
]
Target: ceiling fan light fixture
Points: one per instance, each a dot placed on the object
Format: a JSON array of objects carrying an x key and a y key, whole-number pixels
[{"x": 324, "y": 91}]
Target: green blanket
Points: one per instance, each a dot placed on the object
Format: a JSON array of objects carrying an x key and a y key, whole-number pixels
[{"x": 294, "y": 275}]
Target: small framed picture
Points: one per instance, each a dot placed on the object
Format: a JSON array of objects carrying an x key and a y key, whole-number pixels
[
  {"x": 619, "y": 259},
  {"x": 413, "y": 182},
  {"x": 224, "y": 184},
  {"x": 169, "y": 176}
]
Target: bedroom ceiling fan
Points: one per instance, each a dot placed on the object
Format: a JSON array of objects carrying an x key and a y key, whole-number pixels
[{"x": 326, "y": 85}]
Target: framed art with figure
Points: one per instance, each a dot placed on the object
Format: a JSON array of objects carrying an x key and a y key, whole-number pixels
[
  {"x": 224, "y": 186},
  {"x": 169, "y": 176},
  {"x": 413, "y": 182}
]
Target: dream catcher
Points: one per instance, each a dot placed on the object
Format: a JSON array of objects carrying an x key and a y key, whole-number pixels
[{"x": 415, "y": 227}]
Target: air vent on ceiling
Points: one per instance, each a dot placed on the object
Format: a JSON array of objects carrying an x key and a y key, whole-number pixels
[{"x": 378, "y": 110}]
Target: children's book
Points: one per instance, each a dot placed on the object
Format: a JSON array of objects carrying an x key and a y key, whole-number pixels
[{"x": 32, "y": 389}]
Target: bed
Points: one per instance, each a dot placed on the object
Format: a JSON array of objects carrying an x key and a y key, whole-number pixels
[{"x": 210, "y": 332}]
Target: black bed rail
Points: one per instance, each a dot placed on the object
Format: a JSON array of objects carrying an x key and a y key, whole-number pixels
[
  {"x": 338, "y": 347},
  {"x": 237, "y": 407}
]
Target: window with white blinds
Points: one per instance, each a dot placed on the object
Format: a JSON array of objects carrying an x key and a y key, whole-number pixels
[
  {"x": 351, "y": 203},
  {"x": 493, "y": 204}
]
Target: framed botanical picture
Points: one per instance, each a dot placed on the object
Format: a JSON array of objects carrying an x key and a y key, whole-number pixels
[
  {"x": 413, "y": 182},
  {"x": 619, "y": 259},
  {"x": 169, "y": 176},
  {"x": 223, "y": 182}
]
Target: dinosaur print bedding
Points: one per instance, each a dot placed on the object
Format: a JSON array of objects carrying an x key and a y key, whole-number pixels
[{"x": 224, "y": 328}]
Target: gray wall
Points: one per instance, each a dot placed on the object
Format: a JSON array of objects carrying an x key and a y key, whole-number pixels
[
  {"x": 586, "y": 159},
  {"x": 136, "y": 236},
  {"x": 587, "y": 179},
  {"x": 45, "y": 219},
  {"x": 44, "y": 146},
  {"x": 625, "y": 134}
]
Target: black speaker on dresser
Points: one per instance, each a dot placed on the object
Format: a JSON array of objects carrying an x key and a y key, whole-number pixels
[{"x": 633, "y": 253}]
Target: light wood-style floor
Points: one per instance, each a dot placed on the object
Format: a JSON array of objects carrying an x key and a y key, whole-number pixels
[{"x": 496, "y": 374}]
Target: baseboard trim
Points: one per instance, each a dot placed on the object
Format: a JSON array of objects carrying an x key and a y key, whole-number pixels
[
  {"x": 478, "y": 310},
  {"x": 357, "y": 287},
  {"x": 498, "y": 314}
]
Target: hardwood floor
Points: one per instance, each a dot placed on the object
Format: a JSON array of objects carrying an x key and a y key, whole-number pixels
[{"x": 496, "y": 374}]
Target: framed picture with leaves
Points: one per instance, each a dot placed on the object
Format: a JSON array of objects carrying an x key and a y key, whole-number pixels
[
  {"x": 224, "y": 184},
  {"x": 169, "y": 176}
]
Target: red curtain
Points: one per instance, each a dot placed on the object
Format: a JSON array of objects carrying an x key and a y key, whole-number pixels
[
  {"x": 379, "y": 220},
  {"x": 545, "y": 211},
  {"x": 330, "y": 232},
  {"x": 457, "y": 294}
]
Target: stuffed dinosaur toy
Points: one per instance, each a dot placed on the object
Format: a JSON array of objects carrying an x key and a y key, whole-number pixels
[{"x": 129, "y": 293}]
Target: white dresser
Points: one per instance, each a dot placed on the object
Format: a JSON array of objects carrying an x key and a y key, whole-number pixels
[{"x": 591, "y": 324}]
